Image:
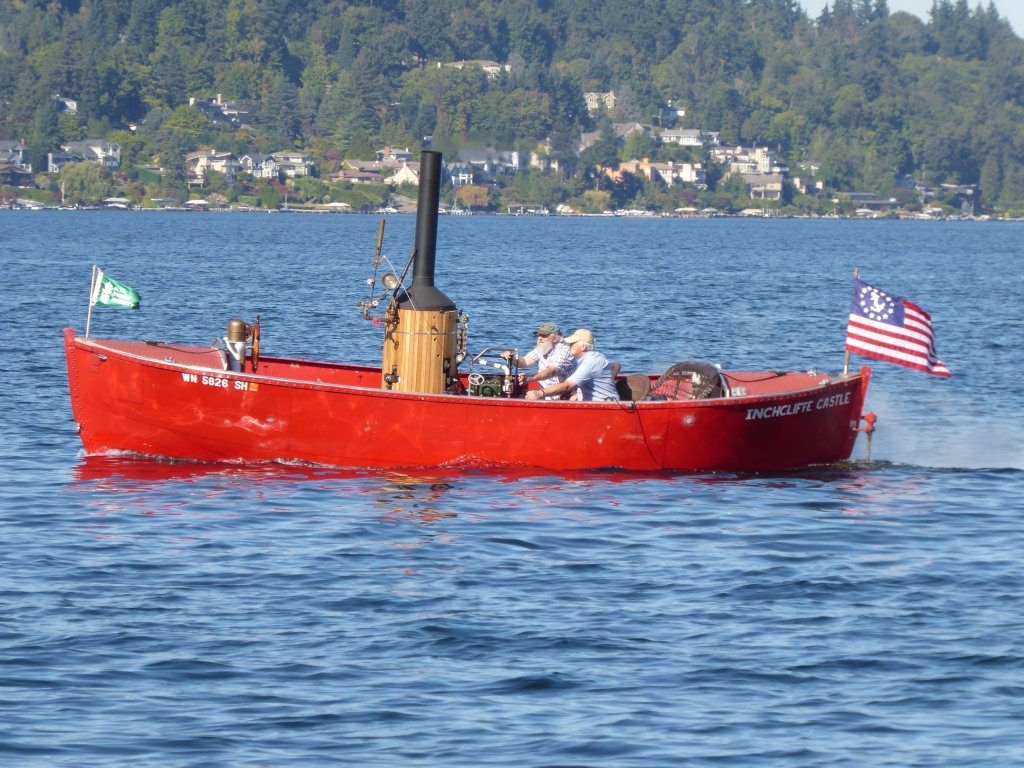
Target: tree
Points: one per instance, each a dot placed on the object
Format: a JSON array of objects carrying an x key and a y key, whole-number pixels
[
  {"x": 182, "y": 131},
  {"x": 270, "y": 198},
  {"x": 474, "y": 196},
  {"x": 69, "y": 127},
  {"x": 44, "y": 137},
  {"x": 132, "y": 145},
  {"x": 849, "y": 110},
  {"x": 316, "y": 81},
  {"x": 1011, "y": 194},
  {"x": 603, "y": 153},
  {"x": 308, "y": 189},
  {"x": 279, "y": 112},
  {"x": 597, "y": 201},
  {"x": 168, "y": 80},
  {"x": 86, "y": 182},
  {"x": 638, "y": 145},
  {"x": 991, "y": 182},
  {"x": 721, "y": 110},
  {"x": 787, "y": 132}
]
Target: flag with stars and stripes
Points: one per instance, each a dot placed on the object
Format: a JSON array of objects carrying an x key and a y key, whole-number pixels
[{"x": 892, "y": 329}]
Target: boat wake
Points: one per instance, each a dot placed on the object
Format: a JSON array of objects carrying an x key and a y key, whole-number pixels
[{"x": 900, "y": 466}]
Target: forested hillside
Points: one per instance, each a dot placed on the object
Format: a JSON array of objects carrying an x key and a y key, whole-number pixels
[{"x": 864, "y": 95}]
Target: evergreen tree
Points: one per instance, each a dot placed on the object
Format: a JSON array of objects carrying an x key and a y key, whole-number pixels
[
  {"x": 44, "y": 136},
  {"x": 279, "y": 115}
]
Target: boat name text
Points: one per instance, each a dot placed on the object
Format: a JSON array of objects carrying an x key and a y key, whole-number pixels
[
  {"x": 220, "y": 382},
  {"x": 804, "y": 406}
]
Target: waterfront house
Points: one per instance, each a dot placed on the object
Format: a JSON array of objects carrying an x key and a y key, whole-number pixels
[
  {"x": 764, "y": 186},
  {"x": 293, "y": 164},
  {"x": 64, "y": 104},
  {"x": 202, "y": 161},
  {"x": 487, "y": 164},
  {"x": 393, "y": 156},
  {"x": 55, "y": 161},
  {"x": 14, "y": 175},
  {"x": 460, "y": 173},
  {"x": 671, "y": 173},
  {"x": 16, "y": 153},
  {"x": 622, "y": 132},
  {"x": 107, "y": 153},
  {"x": 219, "y": 112},
  {"x": 409, "y": 173},
  {"x": 541, "y": 158},
  {"x": 597, "y": 101},
  {"x": 258, "y": 165},
  {"x": 492, "y": 69},
  {"x": 690, "y": 137},
  {"x": 356, "y": 177},
  {"x": 747, "y": 160}
]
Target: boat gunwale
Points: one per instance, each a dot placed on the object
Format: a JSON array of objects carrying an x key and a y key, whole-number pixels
[{"x": 834, "y": 381}]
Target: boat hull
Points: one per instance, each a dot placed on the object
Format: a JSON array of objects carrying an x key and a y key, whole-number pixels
[{"x": 177, "y": 402}]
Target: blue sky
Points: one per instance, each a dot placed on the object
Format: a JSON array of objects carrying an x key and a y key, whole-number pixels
[{"x": 1011, "y": 10}]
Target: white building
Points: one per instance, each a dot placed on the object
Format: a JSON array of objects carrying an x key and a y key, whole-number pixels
[{"x": 98, "y": 150}]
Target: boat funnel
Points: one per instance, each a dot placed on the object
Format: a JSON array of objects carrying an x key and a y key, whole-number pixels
[
  {"x": 421, "y": 323},
  {"x": 423, "y": 294}
]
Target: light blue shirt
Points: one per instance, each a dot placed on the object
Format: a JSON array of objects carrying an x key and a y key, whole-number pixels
[{"x": 593, "y": 376}]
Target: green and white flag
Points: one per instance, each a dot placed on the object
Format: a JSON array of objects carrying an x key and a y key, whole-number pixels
[{"x": 110, "y": 293}]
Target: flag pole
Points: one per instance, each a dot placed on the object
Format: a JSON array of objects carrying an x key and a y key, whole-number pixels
[
  {"x": 92, "y": 289},
  {"x": 846, "y": 361}
]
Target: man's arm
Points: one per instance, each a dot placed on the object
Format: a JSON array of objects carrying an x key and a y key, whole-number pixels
[
  {"x": 546, "y": 373},
  {"x": 522, "y": 362},
  {"x": 558, "y": 390},
  {"x": 566, "y": 387}
]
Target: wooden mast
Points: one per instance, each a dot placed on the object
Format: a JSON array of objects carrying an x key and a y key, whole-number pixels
[{"x": 846, "y": 360}]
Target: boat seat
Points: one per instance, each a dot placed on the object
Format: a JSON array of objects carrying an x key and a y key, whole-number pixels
[{"x": 633, "y": 387}]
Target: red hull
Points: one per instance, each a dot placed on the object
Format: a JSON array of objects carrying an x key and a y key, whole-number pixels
[{"x": 177, "y": 402}]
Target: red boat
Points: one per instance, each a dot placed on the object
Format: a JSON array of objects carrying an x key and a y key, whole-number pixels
[{"x": 226, "y": 403}]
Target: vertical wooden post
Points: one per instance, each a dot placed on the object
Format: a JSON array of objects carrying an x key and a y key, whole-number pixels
[
  {"x": 92, "y": 301},
  {"x": 846, "y": 360}
]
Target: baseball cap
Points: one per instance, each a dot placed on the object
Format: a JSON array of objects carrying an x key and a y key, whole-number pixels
[
  {"x": 546, "y": 329},
  {"x": 581, "y": 335}
]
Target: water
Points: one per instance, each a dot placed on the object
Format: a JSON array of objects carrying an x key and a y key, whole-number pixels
[{"x": 157, "y": 614}]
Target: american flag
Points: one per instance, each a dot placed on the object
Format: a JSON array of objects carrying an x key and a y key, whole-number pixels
[{"x": 892, "y": 329}]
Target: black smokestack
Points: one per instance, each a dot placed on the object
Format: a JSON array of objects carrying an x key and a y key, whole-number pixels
[{"x": 423, "y": 294}]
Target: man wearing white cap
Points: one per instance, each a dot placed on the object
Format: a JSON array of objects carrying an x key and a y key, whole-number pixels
[
  {"x": 592, "y": 377},
  {"x": 551, "y": 356}
]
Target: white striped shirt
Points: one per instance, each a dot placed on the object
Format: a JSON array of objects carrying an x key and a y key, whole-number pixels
[{"x": 559, "y": 358}]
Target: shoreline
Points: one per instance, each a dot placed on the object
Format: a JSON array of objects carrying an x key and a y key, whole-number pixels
[{"x": 31, "y": 206}]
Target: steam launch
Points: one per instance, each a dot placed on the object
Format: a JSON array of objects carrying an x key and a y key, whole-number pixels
[{"x": 434, "y": 404}]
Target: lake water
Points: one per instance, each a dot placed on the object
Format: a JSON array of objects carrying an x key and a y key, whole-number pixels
[{"x": 156, "y": 614}]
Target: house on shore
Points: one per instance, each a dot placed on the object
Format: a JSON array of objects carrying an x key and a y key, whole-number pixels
[
  {"x": 106, "y": 153},
  {"x": 15, "y": 153},
  {"x": 201, "y": 162}
]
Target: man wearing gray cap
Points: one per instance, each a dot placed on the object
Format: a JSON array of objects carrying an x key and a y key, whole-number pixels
[
  {"x": 552, "y": 357},
  {"x": 593, "y": 375}
]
